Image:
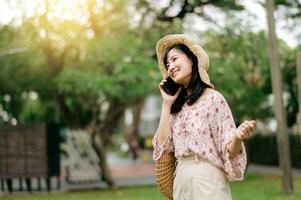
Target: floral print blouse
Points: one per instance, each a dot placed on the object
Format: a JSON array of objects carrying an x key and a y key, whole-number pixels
[{"x": 205, "y": 129}]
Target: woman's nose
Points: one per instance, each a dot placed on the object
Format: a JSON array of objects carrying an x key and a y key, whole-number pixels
[{"x": 171, "y": 67}]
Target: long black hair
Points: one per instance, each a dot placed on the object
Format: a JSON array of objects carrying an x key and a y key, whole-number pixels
[{"x": 196, "y": 85}]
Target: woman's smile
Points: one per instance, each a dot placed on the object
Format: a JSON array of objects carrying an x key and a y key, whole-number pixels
[{"x": 174, "y": 73}]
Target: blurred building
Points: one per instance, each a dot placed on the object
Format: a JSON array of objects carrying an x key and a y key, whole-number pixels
[{"x": 150, "y": 115}]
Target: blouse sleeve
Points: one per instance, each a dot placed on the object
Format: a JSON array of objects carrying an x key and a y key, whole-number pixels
[
  {"x": 225, "y": 128},
  {"x": 166, "y": 147}
]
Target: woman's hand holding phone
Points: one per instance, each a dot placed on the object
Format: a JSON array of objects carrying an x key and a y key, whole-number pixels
[{"x": 168, "y": 98}]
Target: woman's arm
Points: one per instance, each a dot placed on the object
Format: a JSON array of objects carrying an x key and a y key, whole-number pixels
[
  {"x": 234, "y": 147},
  {"x": 164, "y": 126},
  {"x": 244, "y": 131}
]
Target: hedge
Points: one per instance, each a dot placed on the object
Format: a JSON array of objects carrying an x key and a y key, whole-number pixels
[{"x": 263, "y": 150}]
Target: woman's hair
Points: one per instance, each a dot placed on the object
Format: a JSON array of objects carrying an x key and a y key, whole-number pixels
[{"x": 196, "y": 85}]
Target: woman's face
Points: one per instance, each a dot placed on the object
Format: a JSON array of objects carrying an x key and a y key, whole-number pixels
[{"x": 179, "y": 67}]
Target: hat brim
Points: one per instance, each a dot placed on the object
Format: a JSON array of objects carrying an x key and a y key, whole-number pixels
[{"x": 170, "y": 40}]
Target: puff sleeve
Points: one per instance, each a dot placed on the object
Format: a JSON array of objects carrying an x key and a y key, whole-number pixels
[
  {"x": 166, "y": 147},
  {"x": 224, "y": 128}
]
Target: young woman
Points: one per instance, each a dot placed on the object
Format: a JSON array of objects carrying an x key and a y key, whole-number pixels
[{"x": 197, "y": 125}]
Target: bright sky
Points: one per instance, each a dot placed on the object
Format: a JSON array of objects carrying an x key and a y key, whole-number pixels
[
  {"x": 290, "y": 36},
  {"x": 255, "y": 13}
]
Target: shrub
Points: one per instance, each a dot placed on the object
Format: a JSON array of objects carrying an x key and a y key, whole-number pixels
[{"x": 263, "y": 150}]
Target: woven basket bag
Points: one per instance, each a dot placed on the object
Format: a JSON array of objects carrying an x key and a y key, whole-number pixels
[{"x": 164, "y": 173}]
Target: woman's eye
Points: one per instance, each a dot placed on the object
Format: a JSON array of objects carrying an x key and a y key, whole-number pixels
[
  {"x": 174, "y": 59},
  {"x": 167, "y": 66}
]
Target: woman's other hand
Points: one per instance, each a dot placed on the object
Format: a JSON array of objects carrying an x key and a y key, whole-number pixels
[{"x": 246, "y": 130}]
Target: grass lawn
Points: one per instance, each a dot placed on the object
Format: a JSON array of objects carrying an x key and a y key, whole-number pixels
[{"x": 254, "y": 187}]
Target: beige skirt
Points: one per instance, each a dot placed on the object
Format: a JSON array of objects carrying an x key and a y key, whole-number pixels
[{"x": 197, "y": 179}]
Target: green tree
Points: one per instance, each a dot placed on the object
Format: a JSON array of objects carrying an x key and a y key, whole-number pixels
[{"x": 83, "y": 74}]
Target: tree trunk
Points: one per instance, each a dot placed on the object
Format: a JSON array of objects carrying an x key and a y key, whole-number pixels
[
  {"x": 132, "y": 132},
  {"x": 277, "y": 87},
  {"x": 100, "y": 150},
  {"x": 102, "y": 138}
]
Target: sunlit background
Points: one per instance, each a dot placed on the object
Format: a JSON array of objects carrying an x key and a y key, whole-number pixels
[{"x": 83, "y": 76}]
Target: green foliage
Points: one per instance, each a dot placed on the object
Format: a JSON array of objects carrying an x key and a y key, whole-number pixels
[
  {"x": 288, "y": 61},
  {"x": 65, "y": 66},
  {"x": 32, "y": 111},
  {"x": 125, "y": 62}
]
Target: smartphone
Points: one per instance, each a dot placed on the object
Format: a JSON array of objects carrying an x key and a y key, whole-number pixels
[{"x": 170, "y": 87}]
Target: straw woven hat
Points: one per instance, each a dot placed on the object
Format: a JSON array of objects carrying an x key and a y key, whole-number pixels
[
  {"x": 170, "y": 40},
  {"x": 164, "y": 172}
]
